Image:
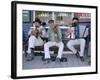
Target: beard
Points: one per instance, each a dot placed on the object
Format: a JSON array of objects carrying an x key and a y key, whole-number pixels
[{"x": 74, "y": 24}]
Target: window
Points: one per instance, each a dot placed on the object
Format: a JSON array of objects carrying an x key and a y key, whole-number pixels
[
  {"x": 63, "y": 18},
  {"x": 44, "y": 16},
  {"x": 26, "y": 16}
]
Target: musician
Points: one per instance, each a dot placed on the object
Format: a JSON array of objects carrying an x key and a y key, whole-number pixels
[
  {"x": 55, "y": 39},
  {"x": 78, "y": 40},
  {"x": 34, "y": 39}
]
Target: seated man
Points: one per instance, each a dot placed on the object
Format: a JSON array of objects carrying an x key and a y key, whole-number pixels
[
  {"x": 34, "y": 39},
  {"x": 55, "y": 39},
  {"x": 77, "y": 41}
]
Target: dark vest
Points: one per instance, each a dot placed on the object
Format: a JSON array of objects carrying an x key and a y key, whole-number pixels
[{"x": 76, "y": 32}]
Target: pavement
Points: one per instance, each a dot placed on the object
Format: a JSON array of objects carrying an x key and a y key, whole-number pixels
[{"x": 38, "y": 63}]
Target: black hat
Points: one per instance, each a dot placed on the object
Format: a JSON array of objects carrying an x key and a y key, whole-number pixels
[
  {"x": 75, "y": 18},
  {"x": 38, "y": 20}
]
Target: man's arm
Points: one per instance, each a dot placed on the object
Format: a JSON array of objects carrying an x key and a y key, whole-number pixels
[{"x": 68, "y": 32}]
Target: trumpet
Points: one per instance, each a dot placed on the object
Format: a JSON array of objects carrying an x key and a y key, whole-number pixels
[
  {"x": 55, "y": 29},
  {"x": 37, "y": 32}
]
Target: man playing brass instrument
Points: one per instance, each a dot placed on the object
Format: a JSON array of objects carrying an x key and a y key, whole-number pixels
[
  {"x": 55, "y": 39},
  {"x": 34, "y": 39}
]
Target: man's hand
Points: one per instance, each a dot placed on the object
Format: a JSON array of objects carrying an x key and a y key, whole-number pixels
[{"x": 68, "y": 32}]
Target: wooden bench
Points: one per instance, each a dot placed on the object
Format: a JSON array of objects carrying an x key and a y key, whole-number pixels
[
  {"x": 55, "y": 49},
  {"x": 39, "y": 51}
]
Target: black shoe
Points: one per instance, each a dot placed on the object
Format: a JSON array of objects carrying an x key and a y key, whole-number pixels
[
  {"x": 82, "y": 58},
  {"x": 63, "y": 59},
  {"x": 77, "y": 54},
  {"x": 53, "y": 58},
  {"x": 46, "y": 61},
  {"x": 32, "y": 51},
  {"x": 58, "y": 60},
  {"x": 29, "y": 57}
]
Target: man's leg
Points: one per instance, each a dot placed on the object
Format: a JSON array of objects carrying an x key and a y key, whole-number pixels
[
  {"x": 71, "y": 44},
  {"x": 80, "y": 42},
  {"x": 82, "y": 47},
  {"x": 60, "y": 45},
  {"x": 31, "y": 45},
  {"x": 46, "y": 50},
  {"x": 39, "y": 42}
]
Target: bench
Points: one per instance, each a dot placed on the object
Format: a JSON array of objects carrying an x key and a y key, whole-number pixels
[{"x": 39, "y": 51}]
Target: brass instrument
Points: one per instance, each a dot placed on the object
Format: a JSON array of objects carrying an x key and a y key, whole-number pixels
[
  {"x": 55, "y": 29},
  {"x": 37, "y": 32}
]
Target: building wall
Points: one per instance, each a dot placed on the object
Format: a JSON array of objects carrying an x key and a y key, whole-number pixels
[{"x": 65, "y": 20}]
